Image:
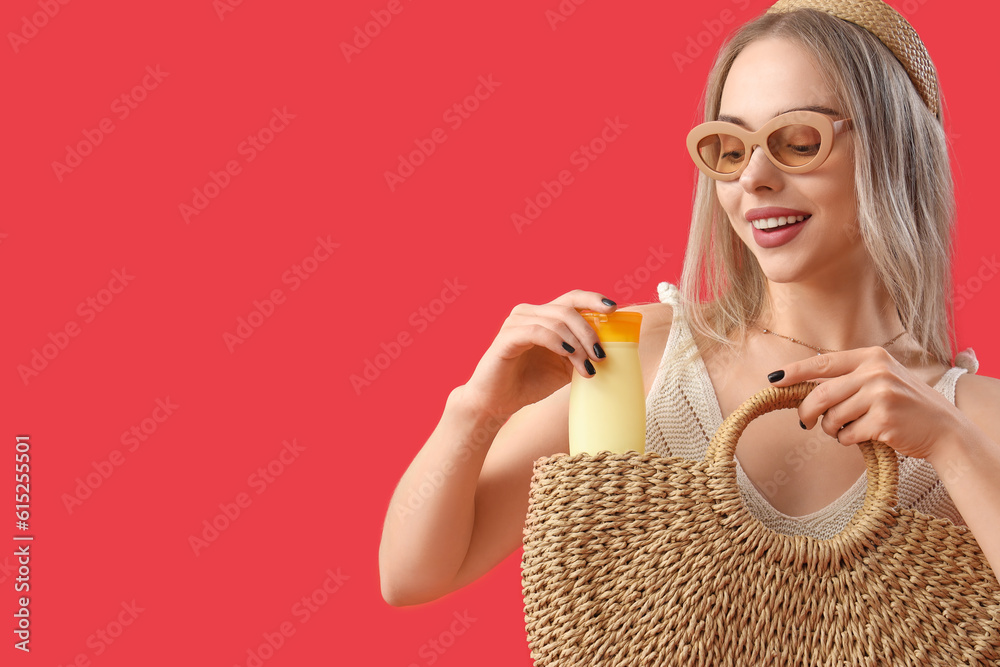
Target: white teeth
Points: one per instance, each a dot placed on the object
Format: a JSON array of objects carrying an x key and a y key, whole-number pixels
[{"x": 770, "y": 223}]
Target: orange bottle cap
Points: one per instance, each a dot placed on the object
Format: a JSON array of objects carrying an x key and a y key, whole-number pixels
[{"x": 618, "y": 327}]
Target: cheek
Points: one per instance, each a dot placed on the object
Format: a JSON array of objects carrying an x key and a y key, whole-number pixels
[
  {"x": 841, "y": 197},
  {"x": 729, "y": 199},
  {"x": 839, "y": 188}
]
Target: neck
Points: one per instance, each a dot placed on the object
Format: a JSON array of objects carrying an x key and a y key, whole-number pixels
[{"x": 842, "y": 316}]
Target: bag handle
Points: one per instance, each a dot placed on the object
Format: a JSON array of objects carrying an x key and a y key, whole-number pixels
[{"x": 876, "y": 514}]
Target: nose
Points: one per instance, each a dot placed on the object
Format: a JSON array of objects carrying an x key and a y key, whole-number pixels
[{"x": 760, "y": 172}]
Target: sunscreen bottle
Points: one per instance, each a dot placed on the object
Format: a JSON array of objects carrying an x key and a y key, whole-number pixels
[{"x": 608, "y": 411}]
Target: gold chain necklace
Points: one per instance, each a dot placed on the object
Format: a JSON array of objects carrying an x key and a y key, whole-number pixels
[{"x": 820, "y": 350}]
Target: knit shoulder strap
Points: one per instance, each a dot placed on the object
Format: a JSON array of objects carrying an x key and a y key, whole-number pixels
[
  {"x": 965, "y": 362},
  {"x": 669, "y": 293}
]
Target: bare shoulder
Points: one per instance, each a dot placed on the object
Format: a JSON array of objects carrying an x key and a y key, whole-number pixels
[
  {"x": 653, "y": 334},
  {"x": 978, "y": 397}
]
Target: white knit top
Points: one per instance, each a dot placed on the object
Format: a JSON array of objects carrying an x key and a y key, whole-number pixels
[{"x": 683, "y": 413}]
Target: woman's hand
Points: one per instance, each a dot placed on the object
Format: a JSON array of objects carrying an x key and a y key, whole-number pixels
[
  {"x": 536, "y": 351},
  {"x": 865, "y": 394}
]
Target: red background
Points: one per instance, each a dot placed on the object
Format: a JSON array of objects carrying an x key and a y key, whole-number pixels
[{"x": 323, "y": 176}]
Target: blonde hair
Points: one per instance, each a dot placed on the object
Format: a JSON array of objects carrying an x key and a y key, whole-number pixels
[{"x": 902, "y": 178}]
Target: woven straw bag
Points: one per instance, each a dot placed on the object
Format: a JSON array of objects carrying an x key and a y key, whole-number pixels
[{"x": 637, "y": 559}]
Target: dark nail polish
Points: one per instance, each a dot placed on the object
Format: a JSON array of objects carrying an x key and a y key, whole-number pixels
[
  {"x": 569, "y": 348},
  {"x": 590, "y": 367},
  {"x": 775, "y": 376},
  {"x": 801, "y": 424},
  {"x": 599, "y": 351},
  {"x": 608, "y": 302}
]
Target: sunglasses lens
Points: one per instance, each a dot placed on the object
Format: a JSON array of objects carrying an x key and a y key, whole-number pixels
[
  {"x": 794, "y": 145},
  {"x": 722, "y": 153}
]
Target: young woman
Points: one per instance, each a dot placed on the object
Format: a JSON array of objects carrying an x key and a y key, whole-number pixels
[{"x": 819, "y": 250}]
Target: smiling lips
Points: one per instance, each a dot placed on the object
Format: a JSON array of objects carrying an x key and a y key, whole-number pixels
[
  {"x": 772, "y": 217},
  {"x": 771, "y": 223}
]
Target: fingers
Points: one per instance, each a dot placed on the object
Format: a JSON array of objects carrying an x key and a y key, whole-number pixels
[
  {"x": 816, "y": 368},
  {"x": 558, "y": 338},
  {"x": 821, "y": 367},
  {"x": 583, "y": 300},
  {"x": 574, "y": 329},
  {"x": 559, "y": 327},
  {"x": 580, "y": 300},
  {"x": 835, "y": 419}
]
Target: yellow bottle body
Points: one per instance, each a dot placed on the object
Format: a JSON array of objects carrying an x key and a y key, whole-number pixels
[{"x": 607, "y": 412}]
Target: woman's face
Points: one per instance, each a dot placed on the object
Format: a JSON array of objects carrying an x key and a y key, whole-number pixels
[{"x": 769, "y": 77}]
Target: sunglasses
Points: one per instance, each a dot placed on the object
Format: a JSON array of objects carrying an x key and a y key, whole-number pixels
[{"x": 794, "y": 142}]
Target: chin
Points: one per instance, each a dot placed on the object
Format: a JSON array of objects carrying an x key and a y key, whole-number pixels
[{"x": 781, "y": 275}]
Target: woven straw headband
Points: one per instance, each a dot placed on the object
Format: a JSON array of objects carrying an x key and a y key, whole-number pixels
[{"x": 891, "y": 29}]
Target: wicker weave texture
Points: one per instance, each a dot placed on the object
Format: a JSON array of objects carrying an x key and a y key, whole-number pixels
[
  {"x": 636, "y": 559},
  {"x": 891, "y": 29}
]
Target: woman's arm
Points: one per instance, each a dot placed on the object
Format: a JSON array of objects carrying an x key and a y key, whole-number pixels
[
  {"x": 968, "y": 462},
  {"x": 460, "y": 507}
]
